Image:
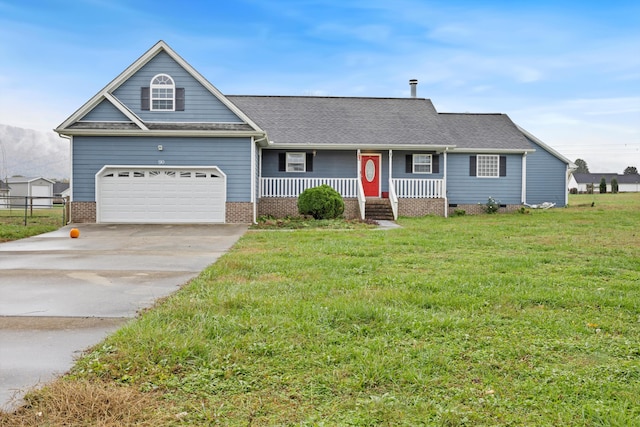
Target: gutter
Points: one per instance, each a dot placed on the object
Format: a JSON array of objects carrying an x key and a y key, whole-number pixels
[
  {"x": 147, "y": 133},
  {"x": 329, "y": 146}
]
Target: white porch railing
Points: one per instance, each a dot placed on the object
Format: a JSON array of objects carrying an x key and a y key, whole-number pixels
[
  {"x": 292, "y": 187},
  {"x": 393, "y": 199},
  {"x": 418, "y": 188},
  {"x": 362, "y": 200}
]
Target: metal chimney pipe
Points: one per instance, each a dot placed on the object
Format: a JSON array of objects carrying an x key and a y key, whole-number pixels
[{"x": 414, "y": 84}]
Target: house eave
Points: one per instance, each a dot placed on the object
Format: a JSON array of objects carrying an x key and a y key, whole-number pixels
[
  {"x": 493, "y": 150},
  {"x": 152, "y": 133},
  {"x": 372, "y": 147}
]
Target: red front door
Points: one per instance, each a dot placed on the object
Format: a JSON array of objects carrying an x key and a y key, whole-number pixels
[{"x": 370, "y": 174}]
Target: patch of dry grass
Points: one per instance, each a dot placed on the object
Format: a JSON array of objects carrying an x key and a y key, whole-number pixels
[{"x": 83, "y": 403}]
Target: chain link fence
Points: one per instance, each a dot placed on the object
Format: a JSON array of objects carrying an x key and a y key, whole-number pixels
[{"x": 19, "y": 209}]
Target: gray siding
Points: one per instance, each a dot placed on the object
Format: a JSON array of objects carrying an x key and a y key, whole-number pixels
[
  {"x": 400, "y": 171},
  {"x": 546, "y": 177},
  {"x": 19, "y": 189},
  {"x": 105, "y": 112},
  {"x": 465, "y": 189},
  {"x": 200, "y": 104},
  {"x": 231, "y": 155}
]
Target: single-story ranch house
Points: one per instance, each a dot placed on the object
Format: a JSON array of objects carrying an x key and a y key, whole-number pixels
[
  {"x": 160, "y": 144},
  {"x": 581, "y": 182}
]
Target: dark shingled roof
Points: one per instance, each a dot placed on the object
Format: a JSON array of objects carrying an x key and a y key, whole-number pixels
[
  {"x": 484, "y": 131},
  {"x": 335, "y": 120}
]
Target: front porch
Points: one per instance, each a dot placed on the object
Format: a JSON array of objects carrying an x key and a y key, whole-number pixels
[{"x": 407, "y": 197}]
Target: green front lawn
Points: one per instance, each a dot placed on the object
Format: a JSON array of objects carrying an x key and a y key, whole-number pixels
[
  {"x": 507, "y": 319},
  {"x": 42, "y": 220}
]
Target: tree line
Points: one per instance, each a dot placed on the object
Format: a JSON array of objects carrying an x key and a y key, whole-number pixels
[{"x": 583, "y": 168}]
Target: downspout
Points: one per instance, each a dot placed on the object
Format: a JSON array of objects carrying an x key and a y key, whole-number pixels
[
  {"x": 444, "y": 183},
  {"x": 524, "y": 178},
  {"x": 254, "y": 200},
  {"x": 566, "y": 185}
]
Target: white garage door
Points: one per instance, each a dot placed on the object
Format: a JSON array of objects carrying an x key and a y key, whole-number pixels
[
  {"x": 41, "y": 191},
  {"x": 161, "y": 195}
]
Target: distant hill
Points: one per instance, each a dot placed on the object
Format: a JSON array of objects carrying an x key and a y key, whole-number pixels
[{"x": 30, "y": 152}]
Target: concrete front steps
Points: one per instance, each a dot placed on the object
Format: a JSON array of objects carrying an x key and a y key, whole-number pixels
[{"x": 378, "y": 209}]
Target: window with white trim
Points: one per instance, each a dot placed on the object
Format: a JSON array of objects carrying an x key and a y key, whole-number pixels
[
  {"x": 488, "y": 166},
  {"x": 162, "y": 93},
  {"x": 422, "y": 163},
  {"x": 296, "y": 162}
]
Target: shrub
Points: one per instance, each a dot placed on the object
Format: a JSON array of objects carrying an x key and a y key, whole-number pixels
[
  {"x": 459, "y": 212},
  {"x": 603, "y": 185},
  {"x": 614, "y": 186},
  {"x": 321, "y": 202},
  {"x": 492, "y": 206}
]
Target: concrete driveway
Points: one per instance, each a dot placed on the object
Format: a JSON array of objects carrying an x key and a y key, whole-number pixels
[{"x": 59, "y": 296}]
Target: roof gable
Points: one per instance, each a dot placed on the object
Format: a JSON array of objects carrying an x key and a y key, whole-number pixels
[
  {"x": 105, "y": 109},
  {"x": 118, "y": 92},
  {"x": 26, "y": 180}
]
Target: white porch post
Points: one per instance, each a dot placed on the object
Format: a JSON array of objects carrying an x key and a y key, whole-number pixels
[{"x": 254, "y": 184}]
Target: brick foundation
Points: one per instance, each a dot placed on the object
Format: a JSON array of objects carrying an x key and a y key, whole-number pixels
[
  {"x": 280, "y": 207},
  {"x": 239, "y": 213},
  {"x": 421, "y": 207},
  {"x": 83, "y": 212},
  {"x": 478, "y": 209}
]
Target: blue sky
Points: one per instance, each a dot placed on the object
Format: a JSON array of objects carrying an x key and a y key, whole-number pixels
[{"x": 567, "y": 71}]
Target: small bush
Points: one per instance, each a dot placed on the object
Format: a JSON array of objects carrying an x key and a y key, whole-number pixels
[
  {"x": 492, "y": 206},
  {"x": 321, "y": 202},
  {"x": 603, "y": 185},
  {"x": 614, "y": 186},
  {"x": 573, "y": 190},
  {"x": 459, "y": 212}
]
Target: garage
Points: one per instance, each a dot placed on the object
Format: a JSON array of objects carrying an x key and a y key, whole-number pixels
[{"x": 144, "y": 194}]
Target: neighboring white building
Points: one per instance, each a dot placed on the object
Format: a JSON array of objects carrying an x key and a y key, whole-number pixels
[
  {"x": 5, "y": 192},
  {"x": 38, "y": 188},
  {"x": 626, "y": 183}
]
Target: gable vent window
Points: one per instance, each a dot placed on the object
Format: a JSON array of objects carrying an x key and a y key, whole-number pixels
[{"x": 162, "y": 95}]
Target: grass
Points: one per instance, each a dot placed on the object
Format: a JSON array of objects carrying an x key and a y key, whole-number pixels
[
  {"x": 294, "y": 223},
  {"x": 507, "y": 319},
  {"x": 12, "y": 224}
]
